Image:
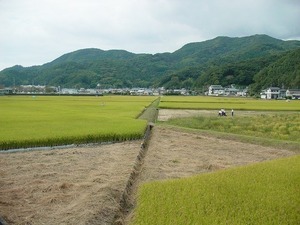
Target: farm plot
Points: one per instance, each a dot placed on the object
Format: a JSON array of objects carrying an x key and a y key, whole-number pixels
[
  {"x": 65, "y": 186},
  {"x": 50, "y": 121},
  {"x": 175, "y": 153},
  {"x": 272, "y": 126}
]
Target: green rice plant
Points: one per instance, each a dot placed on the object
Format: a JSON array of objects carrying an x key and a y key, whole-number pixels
[
  {"x": 207, "y": 102},
  {"x": 272, "y": 126},
  {"x": 27, "y": 121},
  {"x": 264, "y": 193}
]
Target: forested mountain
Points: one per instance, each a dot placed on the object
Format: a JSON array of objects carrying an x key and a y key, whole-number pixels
[
  {"x": 257, "y": 60},
  {"x": 284, "y": 72}
]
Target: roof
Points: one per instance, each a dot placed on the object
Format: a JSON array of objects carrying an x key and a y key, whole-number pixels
[
  {"x": 274, "y": 88},
  {"x": 216, "y": 86},
  {"x": 294, "y": 91}
]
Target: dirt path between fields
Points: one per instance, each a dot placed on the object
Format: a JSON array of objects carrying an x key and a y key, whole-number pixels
[{"x": 84, "y": 185}]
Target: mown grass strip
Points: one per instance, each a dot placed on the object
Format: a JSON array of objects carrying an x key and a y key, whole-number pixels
[{"x": 265, "y": 193}]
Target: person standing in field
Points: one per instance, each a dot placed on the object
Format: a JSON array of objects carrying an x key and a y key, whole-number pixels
[{"x": 232, "y": 112}]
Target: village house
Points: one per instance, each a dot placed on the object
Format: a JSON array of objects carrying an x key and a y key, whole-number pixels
[
  {"x": 273, "y": 93},
  {"x": 263, "y": 94},
  {"x": 181, "y": 91},
  {"x": 69, "y": 91},
  {"x": 293, "y": 93},
  {"x": 6, "y": 91},
  {"x": 231, "y": 90},
  {"x": 216, "y": 90},
  {"x": 242, "y": 92}
]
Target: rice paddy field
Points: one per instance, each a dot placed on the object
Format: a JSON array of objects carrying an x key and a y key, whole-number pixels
[
  {"x": 207, "y": 102},
  {"x": 32, "y": 121},
  {"x": 263, "y": 193}
]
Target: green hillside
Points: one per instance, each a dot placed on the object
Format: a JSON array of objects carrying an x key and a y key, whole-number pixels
[
  {"x": 283, "y": 72},
  {"x": 222, "y": 60}
]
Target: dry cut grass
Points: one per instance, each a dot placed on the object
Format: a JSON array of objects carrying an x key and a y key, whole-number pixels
[{"x": 66, "y": 186}]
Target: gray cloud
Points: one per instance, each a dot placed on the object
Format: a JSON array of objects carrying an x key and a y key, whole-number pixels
[{"x": 38, "y": 31}]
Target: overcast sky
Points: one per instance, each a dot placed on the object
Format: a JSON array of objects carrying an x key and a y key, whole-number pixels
[{"x": 34, "y": 32}]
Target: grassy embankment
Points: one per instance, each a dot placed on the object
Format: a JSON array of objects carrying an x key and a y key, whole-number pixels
[
  {"x": 49, "y": 121},
  {"x": 151, "y": 112},
  {"x": 265, "y": 193}
]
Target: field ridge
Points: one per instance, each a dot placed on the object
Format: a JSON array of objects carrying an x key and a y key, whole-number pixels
[{"x": 126, "y": 204}]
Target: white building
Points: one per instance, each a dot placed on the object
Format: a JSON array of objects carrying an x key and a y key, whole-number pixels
[
  {"x": 231, "y": 91},
  {"x": 69, "y": 91},
  {"x": 273, "y": 93},
  {"x": 293, "y": 93},
  {"x": 6, "y": 91},
  {"x": 216, "y": 90}
]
